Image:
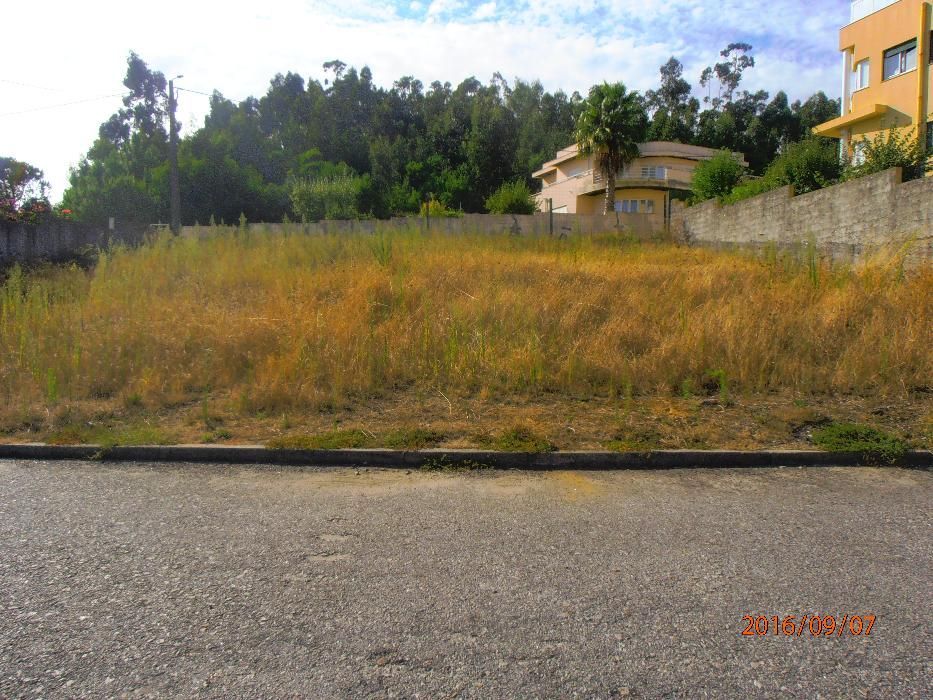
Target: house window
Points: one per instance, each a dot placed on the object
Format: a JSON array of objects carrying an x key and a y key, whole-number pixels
[
  {"x": 860, "y": 75},
  {"x": 900, "y": 59},
  {"x": 635, "y": 206},
  {"x": 858, "y": 153},
  {"x": 653, "y": 173}
]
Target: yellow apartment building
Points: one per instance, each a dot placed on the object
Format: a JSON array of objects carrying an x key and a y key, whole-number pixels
[
  {"x": 885, "y": 72},
  {"x": 662, "y": 171}
]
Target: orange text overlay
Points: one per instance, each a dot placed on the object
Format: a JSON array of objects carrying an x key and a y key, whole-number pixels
[{"x": 810, "y": 625}]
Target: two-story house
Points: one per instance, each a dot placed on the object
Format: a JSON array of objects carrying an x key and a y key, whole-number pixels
[
  {"x": 885, "y": 72},
  {"x": 571, "y": 183}
]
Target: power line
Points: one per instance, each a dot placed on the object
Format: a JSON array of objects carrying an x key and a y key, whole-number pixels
[
  {"x": 63, "y": 104},
  {"x": 196, "y": 92},
  {"x": 30, "y": 85}
]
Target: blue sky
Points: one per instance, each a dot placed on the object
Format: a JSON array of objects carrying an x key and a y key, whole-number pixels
[{"x": 236, "y": 47}]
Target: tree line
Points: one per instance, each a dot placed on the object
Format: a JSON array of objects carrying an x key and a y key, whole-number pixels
[{"x": 395, "y": 148}]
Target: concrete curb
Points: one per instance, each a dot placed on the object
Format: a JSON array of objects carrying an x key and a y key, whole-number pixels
[{"x": 402, "y": 459}]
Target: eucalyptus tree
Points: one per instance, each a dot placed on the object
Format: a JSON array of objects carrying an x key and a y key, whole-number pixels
[{"x": 610, "y": 127}]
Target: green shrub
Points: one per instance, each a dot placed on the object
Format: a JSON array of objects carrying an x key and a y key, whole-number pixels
[
  {"x": 875, "y": 446},
  {"x": 512, "y": 198},
  {"x": 892, "y": 149},
  {"x": 716, "y": 177},
  {"x": 748, "y": 189},
  {"x": 437, "y": 209},
  {"x": 808, "y": 165},
  {"x": 329, "y": 197}
]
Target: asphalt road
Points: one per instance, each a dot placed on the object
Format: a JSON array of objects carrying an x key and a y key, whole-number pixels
[{"x": 212, "y": 581}]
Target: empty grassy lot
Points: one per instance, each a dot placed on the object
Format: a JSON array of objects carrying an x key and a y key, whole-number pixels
[{"x": 588, "y": 342}]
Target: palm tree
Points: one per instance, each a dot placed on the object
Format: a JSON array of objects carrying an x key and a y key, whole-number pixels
[{"x": 610, "y": 126}]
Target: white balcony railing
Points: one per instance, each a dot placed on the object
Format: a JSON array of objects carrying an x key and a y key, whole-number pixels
[
  {"x": 863, "y": 8},
  {"x": 665, "y": 174}
]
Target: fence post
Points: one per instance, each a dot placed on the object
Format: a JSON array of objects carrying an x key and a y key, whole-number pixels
[{"x": 550, "y": 216}]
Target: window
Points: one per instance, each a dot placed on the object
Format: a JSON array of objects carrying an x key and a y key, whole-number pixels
[
  {"x": 860, "y": 75},
  {"x": 858, "y": 153},
  {"x": 635, "y": 206},
  {"x": 900, "y": 59},
  {"x": 653, "y": 173}
]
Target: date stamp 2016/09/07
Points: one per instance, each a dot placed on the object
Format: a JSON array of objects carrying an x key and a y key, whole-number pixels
[{"x": 810, "y": 625}]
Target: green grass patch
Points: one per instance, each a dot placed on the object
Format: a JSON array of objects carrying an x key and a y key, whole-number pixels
[
  {"x": 412, "y": 439},
  {"x": 638, "y": 440},
  {"x": 443, "y": 464},
  {"x": 218, "y": 435},
  {"x": 875, "y": 446},
  {"x": 110, "y": 437},
  {"x": 519, "y": 438},
  {"x": 333, "y": 440}
]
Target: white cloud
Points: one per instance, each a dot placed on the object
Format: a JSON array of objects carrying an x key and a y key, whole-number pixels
[
  {"x": 485, "y": 11},
  {"x": 567, "y": 44}
]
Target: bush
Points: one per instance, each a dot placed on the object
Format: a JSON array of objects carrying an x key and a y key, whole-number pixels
[
  {"x": 891, "y": 149},
  {"x": 808, "y": 165},
  {"x": 512, "y": 198},
  {"x": 875, "y": 446},
  {"x": 716, "y": 177},
  {"x": 748, "y": 189},
  {"x": 437, "y": 209},
  {"x": 331, "y": 197}
]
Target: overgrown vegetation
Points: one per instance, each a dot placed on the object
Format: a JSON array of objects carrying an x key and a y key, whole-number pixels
[
  {"x": 275, "y": 323},
  {"x": 814, "y": 163},
  {"x": 894, "y": 148},
  {"x": 875, "y": 446},
  {"x": 808, "y": 165},
  {"x": 333, "y": 197},
  {"x": 715, "y": 178},
  {"x": 512, "y": 198}
]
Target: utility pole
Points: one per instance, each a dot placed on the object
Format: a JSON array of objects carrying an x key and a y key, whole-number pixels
[{"x": 173, "y": 159}]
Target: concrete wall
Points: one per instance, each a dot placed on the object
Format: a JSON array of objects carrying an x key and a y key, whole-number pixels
[
  {"x": 493, "y": 224},
  {"x": 60, "y": 240},
  {"x": 846, "y": 221}
]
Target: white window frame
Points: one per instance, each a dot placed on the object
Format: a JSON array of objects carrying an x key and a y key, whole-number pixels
[
  {"x": 858, "y": 152},
  {"x": 653, "y": 172},
  {"x": 861, "y": 75}
]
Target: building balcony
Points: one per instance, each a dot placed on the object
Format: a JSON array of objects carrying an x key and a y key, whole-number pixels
[
  {"x": 668, "y": 179},
  {"x": 592, "y": 182}
]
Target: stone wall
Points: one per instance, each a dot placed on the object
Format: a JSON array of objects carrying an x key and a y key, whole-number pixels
[
  {"x": 61, "y": 240},
  {"x": 846, "y": 221},
  {"x": 493, "y": 224}
]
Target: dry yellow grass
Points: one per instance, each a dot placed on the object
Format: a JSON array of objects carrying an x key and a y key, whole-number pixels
[{"x": 281, "y": 323}]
